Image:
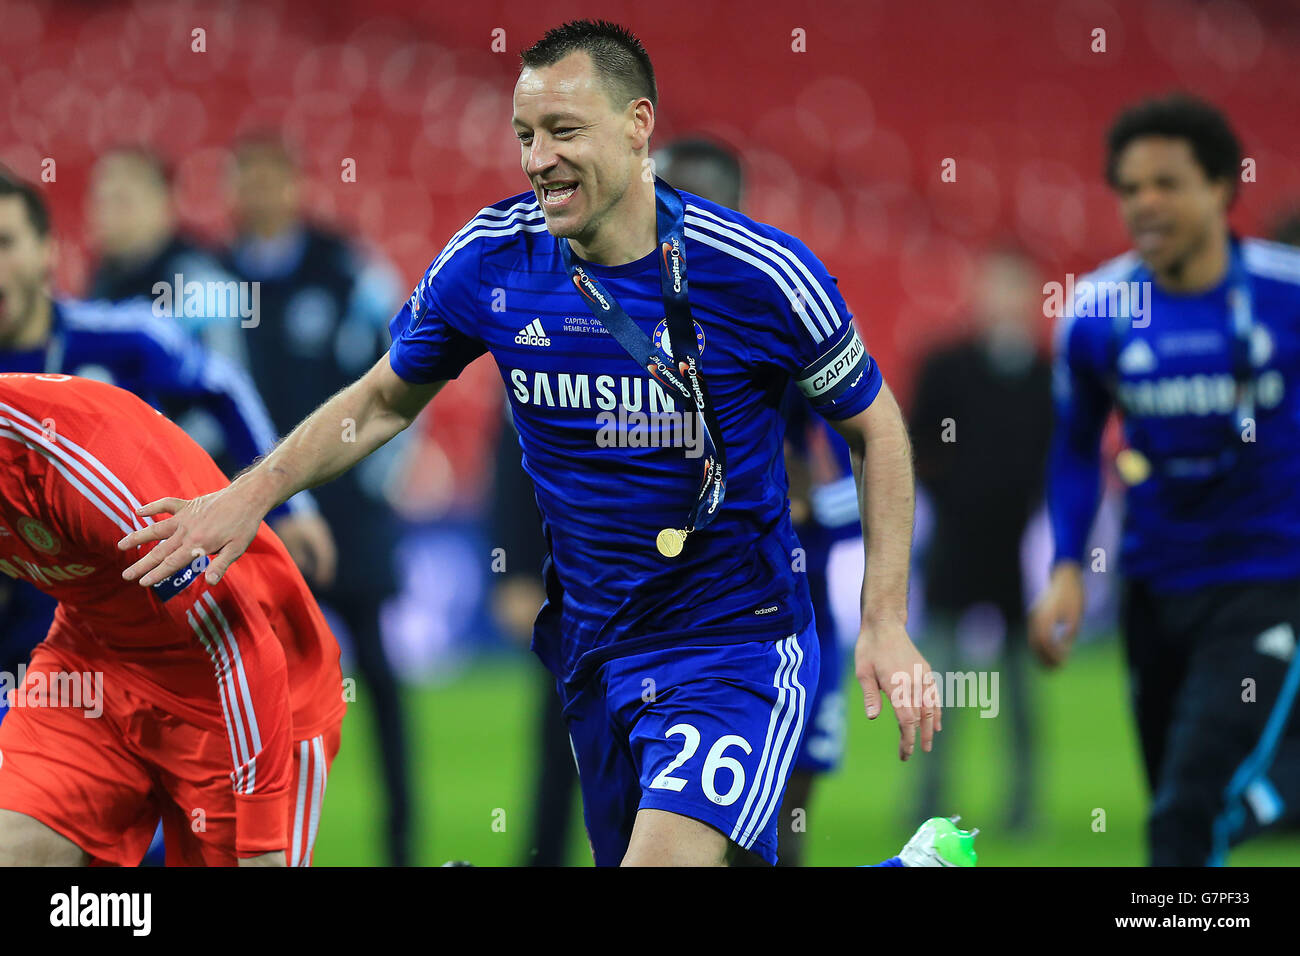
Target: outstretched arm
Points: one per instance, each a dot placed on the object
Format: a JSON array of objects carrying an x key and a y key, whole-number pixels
[{"x": 336, "y": 436}]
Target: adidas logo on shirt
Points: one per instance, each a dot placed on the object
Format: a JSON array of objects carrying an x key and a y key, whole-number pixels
[
  {"x": 532, "y": 334},
  {"x": 1278, "y": 641},
  {"x": 1137, "y": 358}
]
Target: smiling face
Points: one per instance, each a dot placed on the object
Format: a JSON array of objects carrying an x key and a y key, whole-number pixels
[
  {"x": 580, "y": 150},
  {"x": 1172, "y": 209}
]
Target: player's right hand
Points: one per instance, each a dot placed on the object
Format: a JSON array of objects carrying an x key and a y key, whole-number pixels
[
  {"x": 221, "y": 525},
  {"x": 1054, "y": 618}
]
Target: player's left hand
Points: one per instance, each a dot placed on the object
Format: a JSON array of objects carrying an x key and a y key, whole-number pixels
[
  {"x": 310, "y": 544},
  {"x": 885, "y": 657}
]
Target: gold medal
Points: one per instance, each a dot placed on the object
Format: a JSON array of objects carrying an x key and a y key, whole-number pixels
[
  {"x": 670, "y": 542},
  {"x": 1132, "y": 466}
]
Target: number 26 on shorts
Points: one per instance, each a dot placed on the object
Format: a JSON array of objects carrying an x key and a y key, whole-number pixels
[{"x": 714, "y": 762}]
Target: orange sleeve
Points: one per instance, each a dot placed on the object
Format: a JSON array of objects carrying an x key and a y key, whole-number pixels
[{"x": 249, "y": 668}]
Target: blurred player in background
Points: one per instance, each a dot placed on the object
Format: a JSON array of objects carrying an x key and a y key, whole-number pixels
[
  {"x": 216, "y": 707},
  {"x": 132, "y": 224},
  {"x": 823, "y": 507},
  {"x": 324, "y": 312},
  {"x": 131, "y": 347},
  {"x": 690, "y": 767},
  {"x": 703, "y": 167},
  {"x": 981, "y": 423},
  {"x": 1192, "y": 337}
]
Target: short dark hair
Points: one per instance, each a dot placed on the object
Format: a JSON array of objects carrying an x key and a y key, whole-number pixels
[
  {"x": 1179, "y": 116},
  {"x": 697, "y": 149},
  {"x": 619, "y": 58},
  {"x": 37, "y": 212}
]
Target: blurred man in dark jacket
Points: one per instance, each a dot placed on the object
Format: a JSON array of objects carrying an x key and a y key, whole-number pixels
[
  {"x": 132, "y": 223},
  {"x": 325, "y": 307},
  {"x": 981, "y": 423}
]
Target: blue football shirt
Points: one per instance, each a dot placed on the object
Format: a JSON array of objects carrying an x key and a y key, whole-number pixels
[
  {"x": 126, "y": 345},
  {"x": 1171, "y": 374},
  {"x": 765, "y": 311}
]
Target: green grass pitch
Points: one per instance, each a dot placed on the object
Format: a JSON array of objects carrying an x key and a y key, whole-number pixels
[{"x": 473, "y": 758}]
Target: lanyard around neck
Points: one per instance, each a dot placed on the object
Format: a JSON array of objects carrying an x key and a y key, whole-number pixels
[
  {"x": 680, "y": 373},
  {"x": 1241, "y": 324}
]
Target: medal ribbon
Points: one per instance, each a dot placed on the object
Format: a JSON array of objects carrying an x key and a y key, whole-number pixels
[
  {"x": 1241, "y": 324},
  {"x": 681, "y": 374}
]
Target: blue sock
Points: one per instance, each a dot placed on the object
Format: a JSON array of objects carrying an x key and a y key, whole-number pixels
[{"x": 892, "y": 861}]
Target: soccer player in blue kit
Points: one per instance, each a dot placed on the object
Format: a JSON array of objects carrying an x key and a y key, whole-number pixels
[
  {"x": 680, "y": 635},
  {"x": 823, "y": 510},
  {"x": 1192, "y": 336}
]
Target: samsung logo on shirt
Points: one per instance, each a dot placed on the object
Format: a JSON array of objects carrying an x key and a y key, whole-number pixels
[
  {"x": 1195, "y": 394},
  {"x": 47, "y": 575},
  {"x": 607, "y": 392}
]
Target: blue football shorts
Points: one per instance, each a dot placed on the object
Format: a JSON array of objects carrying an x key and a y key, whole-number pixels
[{"x": 708, "y": 732}]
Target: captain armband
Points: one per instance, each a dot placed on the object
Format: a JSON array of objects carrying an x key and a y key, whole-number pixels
[{"x": 835, "y": 379}]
